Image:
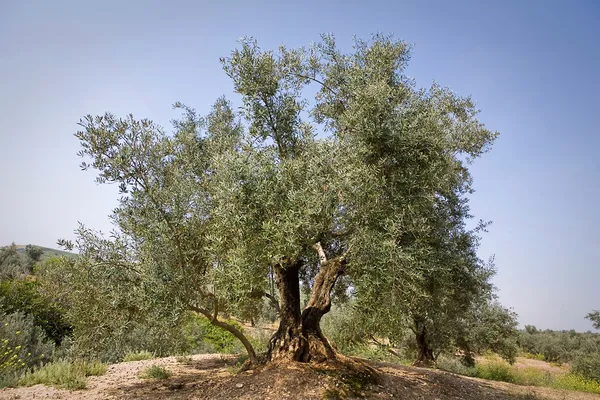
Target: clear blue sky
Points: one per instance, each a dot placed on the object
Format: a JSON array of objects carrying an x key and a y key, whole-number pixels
[{"x": 533, "y": 68}]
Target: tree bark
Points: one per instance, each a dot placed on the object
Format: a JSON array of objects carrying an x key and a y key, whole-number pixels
[
  {"x": 299, "y": 337},
  {"x": 288, "y": 343},
  {"x": 425, "y": 357}
]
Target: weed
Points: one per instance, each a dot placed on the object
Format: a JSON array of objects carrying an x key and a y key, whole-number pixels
[
  {"x": 63, "y": 374},
  {"x": 155, "y": 372},
  {"x": 531, "y": 376},
  {"x": 495, "y": 371}
]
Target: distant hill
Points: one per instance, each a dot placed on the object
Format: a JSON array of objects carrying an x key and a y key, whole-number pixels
[{"x": 48, "y": 252}]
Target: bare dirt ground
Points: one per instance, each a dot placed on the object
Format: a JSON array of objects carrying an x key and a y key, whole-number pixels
[{"x": 210, "y": 376}]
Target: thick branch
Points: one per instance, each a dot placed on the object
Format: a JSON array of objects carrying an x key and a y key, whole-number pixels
[
  {"x": 229, "y": 328},
  {"x": 322, "y": 257}
]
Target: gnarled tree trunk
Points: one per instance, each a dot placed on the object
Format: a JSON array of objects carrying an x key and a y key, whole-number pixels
[
  {"x": 426, "y": 357},
  {"x": 299, "y": 337}
]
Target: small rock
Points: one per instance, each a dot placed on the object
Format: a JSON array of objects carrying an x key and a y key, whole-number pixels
[{"x": 239, "y": 385}]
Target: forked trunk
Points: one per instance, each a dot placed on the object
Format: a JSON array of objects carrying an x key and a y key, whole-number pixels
[{"x": 299, "y": 337}]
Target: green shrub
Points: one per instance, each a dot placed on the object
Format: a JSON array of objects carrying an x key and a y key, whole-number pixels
[
  {"x": 587, "y": 366},
  {"x": 23, "y": 296},
  {"x": 138, "y": 356},
  {"x": 155, "y": 372},
  {"x": 576, "y": 382},
  {"x": 495, "y": 371},
  {"x": 22, "y": 345},
  {"x": 63, "y": 374}
]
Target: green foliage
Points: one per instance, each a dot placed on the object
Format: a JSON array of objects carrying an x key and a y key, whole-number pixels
[
  {"x": 587, "y": 365},
  {"x": 10, "y": 363},
  {"x": 106, "y": 327},
  {"x": 495, "y": 371},
  {"x": 25, "y": 296},
  {"x": 498, "y": 370},
  {"x": 63, "y": 374},
  {"x": 532, "y": 376},
  {"x": 343, "y": 328},
  {"x": 558, "y": 346},
  {"x": 489, "y": 327},
  {"x": 11, "y": 263},
  {"x": 202, "y": 336},
  {"x": 21, "y": 337},
  {"x": 594, "y": 316},
  {"x": 155, "y": 372},
  {"x": 138, "y": 356},
  {"x": 576, "y": 382}
]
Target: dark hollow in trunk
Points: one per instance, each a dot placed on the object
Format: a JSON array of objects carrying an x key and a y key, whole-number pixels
[{"x": 299, "y": 337}]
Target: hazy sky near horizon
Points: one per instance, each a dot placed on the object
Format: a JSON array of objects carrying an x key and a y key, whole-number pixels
[{"x": 531, "y": 66}]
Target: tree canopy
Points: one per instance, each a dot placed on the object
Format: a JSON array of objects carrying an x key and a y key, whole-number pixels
[
  {"x": 360, "y": 191},
  {"x": 594, "y": 316}
]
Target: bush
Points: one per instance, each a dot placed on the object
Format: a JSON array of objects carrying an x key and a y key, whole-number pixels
[
  {"x": 495, "y": 371},
  {"x": 155, "y": 372},
  {"x": 23, "y": 296},
  {"x": 23, "y": 344},
  {"x": 63, "y": 374},
  {"x": 587, "y": 366},
  {"x": 138, "y": 356}
]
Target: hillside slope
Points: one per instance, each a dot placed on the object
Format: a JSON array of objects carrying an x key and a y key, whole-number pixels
[
  {"x": 210, "y": 376},
  {"x": 48, "y": 252}
]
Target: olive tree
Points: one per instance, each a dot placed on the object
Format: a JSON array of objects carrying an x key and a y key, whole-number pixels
[
  {"x": 594, "y": 316},
  {"x": 343, "y": 189}
]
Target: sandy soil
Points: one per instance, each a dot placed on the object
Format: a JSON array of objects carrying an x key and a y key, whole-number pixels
[{"x": 210, "y": 376}]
